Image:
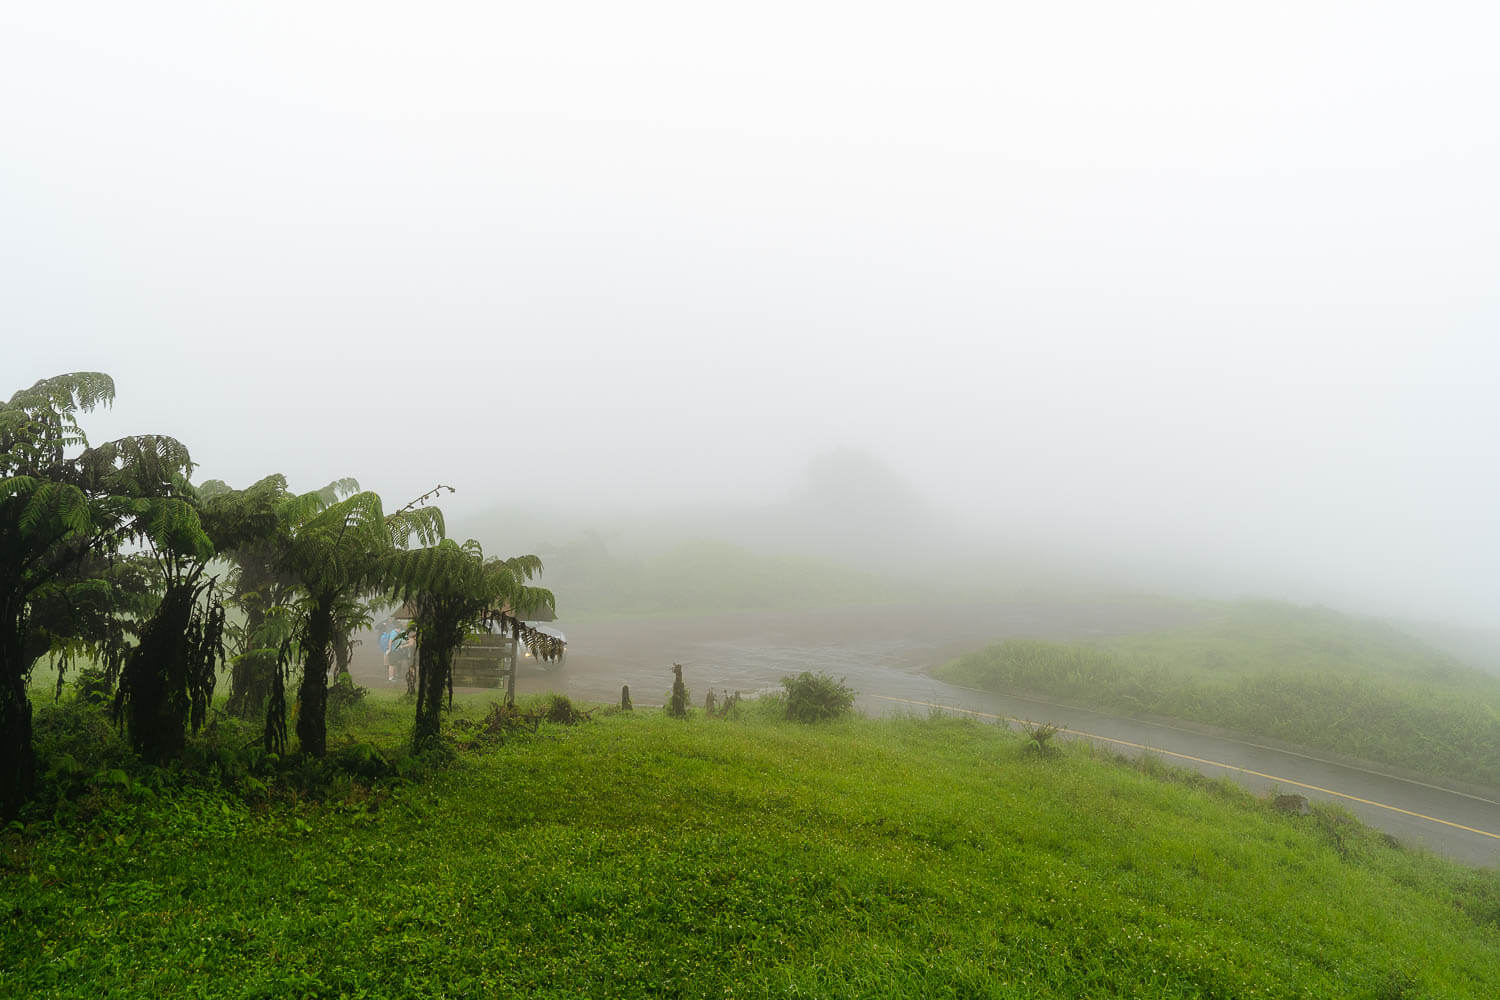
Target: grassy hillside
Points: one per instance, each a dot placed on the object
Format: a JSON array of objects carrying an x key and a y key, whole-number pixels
[
  {"x": 706, "y": 577},
  {"x": 1308, "y": 676},
  {"x": 642, "y": 856}
]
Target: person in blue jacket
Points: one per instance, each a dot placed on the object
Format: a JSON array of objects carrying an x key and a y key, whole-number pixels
[
  {"x": 385, "y": 649},
  {"x": 398, "y": 651}
]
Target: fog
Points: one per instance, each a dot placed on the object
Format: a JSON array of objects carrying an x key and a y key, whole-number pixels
[{"x": 1169, "y": 296}]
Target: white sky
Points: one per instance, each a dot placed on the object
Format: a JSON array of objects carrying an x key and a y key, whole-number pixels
[{"x": 1204, "y": 283}]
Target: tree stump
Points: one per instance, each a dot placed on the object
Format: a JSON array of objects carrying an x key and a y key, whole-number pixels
[{"x": 677, "y": 707}]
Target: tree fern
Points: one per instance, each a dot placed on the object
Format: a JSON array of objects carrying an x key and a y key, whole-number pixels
[
  {"x": 332, "y": 542},
  {"x": 453, "y": 589},
  {"x": 60, "y": 512},
  {"x": 56, "y": 510}
]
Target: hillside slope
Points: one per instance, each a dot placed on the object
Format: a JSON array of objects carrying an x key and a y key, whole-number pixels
[
  {"x": 641, "y": 856},
  {"x": 1308, "y": 676}
]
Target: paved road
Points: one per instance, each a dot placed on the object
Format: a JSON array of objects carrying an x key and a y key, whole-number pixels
[
  {"x": 885, "y": 653},
  {"x": 1455, "y": 824}
]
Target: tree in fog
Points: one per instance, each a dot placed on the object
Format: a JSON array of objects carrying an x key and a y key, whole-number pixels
[
  {"x": 168, "y": 677},
  {"x": 333, "y": 551},
  {"x": 251, "y": 536},
  {"x": 452, "y": 589},
  {"x": 62, "y": 521}
]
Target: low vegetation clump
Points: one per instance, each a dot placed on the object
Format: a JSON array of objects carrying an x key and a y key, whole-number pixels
[
  {"x": 343, "y": 696},
  {"x": 1039, "y": 737},
  {"x": 561, "y": 710},
  {"x": 642, "y": 856},
  {"x": 499, "y": 723},
  {"x": 725, "y": 705},
  {"x": 816, "y": 697},
  {"x": 1306, "y": 676}
]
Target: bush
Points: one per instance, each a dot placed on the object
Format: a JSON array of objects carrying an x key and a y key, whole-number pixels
[
  {"x": 501, "y": 722},
  {"x": 74, "y": 741},
  {"x": 768, "y": 707},
  {"x": 561, "y": 710},
  {"x": 343, "y": 695},
  {"x": 724, "y": 706},
  {"x": 363, "y": 760},
  {"x": 1039, "y": 737},
  {"x": 814, "y": 697},
  {"x": 93, "y": 687}
]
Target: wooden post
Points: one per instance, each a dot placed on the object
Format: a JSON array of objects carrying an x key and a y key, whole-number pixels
[{"x": 510, "y": 679}]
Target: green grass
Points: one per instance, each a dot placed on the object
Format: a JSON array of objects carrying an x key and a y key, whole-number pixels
[
  {"x": 642, "y": 856},
  {"x": 1307, "y": 676}
]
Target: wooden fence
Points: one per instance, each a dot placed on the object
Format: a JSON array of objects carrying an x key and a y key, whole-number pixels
[{"x": 487, "y": 661}]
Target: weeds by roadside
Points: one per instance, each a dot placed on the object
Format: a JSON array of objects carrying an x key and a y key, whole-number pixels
[
  {"x": 1307, "y": 676},
  {"x": 816, "y": 697},
  {"x": 1039, "y": 737}
]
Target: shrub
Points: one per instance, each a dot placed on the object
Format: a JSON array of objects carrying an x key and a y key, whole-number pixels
[
  {"x": 769, "y": 707},
  {"x": 1039, "y": 736},
  {"x": 814, "y": 697},
  {"x": 501, "y": 721},
  {"x": 724, "y": 706},
  {"x": 92, "y": 686},
  {"x": 561, "y": 710},
  {"x": 343, "y": 695},
  {"x": 363, "y": 760}
]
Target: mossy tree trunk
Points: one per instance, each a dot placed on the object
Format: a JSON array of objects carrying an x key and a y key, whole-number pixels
[
  {"x": 343, "y": 651},
  {"x": 153, "y": 693},
  {"x": 250, "y": 685},
  {"x": 432, "y": 680},
  {"x": 253, "y": 675},
  {"x": 442, "y": 625},
  {"x": 17, "y": 758},
  {"x": 312, "y": 713}
]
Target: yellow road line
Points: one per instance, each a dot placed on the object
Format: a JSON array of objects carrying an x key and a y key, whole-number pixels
[
  {"x": 1346, "y": 765},
  {"x": 1203, "y": 760}
]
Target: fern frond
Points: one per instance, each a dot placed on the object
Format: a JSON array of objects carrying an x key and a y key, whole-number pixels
[
  {"x": 237, "y": 518},
  {"x": 423, "y": 523},
  {"x": 17, "y": 486},
  {"x": 338, "y": 490},
  {"x": 525, "y": 567},
  {"x": 172, "y": 525},
  {"x": 303, "y": 507},
  {"x": 529, "y": 602},
  {"x": 297, "y": 510},
  {"x": 142, "y": 465},
  {"x": 55, "y": 509},
  {"x": 65, "y": 393},
  {"x": 212, "y": 489},
  {"x": 331, "y": 550}
]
